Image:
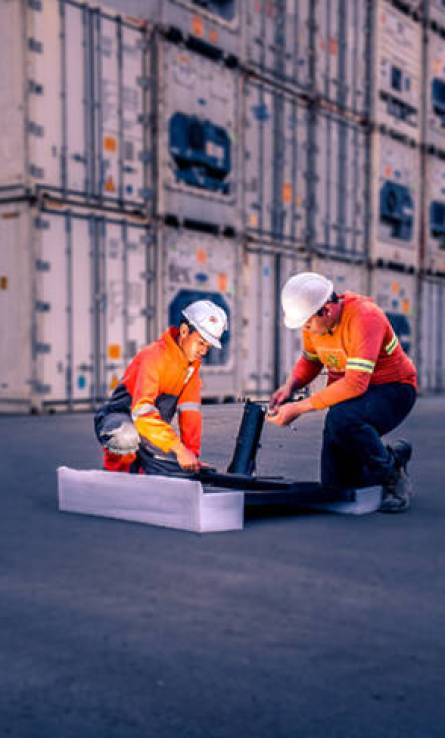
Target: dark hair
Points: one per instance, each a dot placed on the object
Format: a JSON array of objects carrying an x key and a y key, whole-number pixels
[
  {"x": 184, "y": 321},
  {"x": 333, "y": 298}
]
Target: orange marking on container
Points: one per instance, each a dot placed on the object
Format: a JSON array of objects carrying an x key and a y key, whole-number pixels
[
  {"x": 110, "y": 143},
  {"x": 406, "y": 306},
  {"x": 114, "y": 381},
  {"x": 395, "y": 288},
  {"x": 253, "y": 220},
  {"x": 201, "y": 256},
  {"x": 333, "y": 46},
  {"x": 387, "y": 172},
  {"x": 3, "y": 283},
  {"x": 114, "y": 351},
  {"x": 437, "y": 67},
  {"x": 109, "y": 184},
  {"x": 213, "y": 36},
  {"x": 222, "y": 282},
  {"x": 286, "y": 193},
  {"x": 197, "y": 26}
]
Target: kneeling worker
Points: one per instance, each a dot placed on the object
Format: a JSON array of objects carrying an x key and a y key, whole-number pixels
[
  {"x": 371, "y": 386},
  {"x": 134, "y": 425}
]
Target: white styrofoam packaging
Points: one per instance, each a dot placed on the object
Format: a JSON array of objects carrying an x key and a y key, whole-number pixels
[
  {"x": 395, "y": 202},
  {"x": 342, "y": 53},
  {"x": 274, "y": 163},
  {"x": 434, "y": 214},
  {"x": 75, "y": 103},
  {"x": 278, "y": 45},
  {"x": 76, "y": 305},
  {"x": 202, "y": 266},
  {"x": 397, "y": 94},
  {"x": 269, "y": 349},
  {"x": 211, "y": 22},
  {"x": 338, "y": 207},
  {"x": 395, "y": 292},
  {"x": 435, "y": 90},
  {"x": 198, "y": 137},
  {"x": 431, "y": 342}
]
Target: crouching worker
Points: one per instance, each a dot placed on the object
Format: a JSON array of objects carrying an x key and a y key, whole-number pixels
[
  {"x": 371, "y": 386},
  {"x": 134, "y": 425}
]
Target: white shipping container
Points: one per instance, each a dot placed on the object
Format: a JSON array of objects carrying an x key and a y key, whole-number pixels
[
  {"x": 269, "y": 349},
  {"x": 74, "y": 104},
  {"x": 431, "y": 345},
  {"x": 278, "y": 44},
  {"x": 434, "y": 214},
  {"x": 346, "y": 276},
  {"x": 213, "y": 22},
  {"x": 338, "y": 209},
  {"x": 201, "y": 266},
  {"x": 342, "y": 55},
  {"x": 395, "y": 202},
  {"x": 398, "y": 76},
  {"x": 275, "y": 153},
  {"x": 435, "y": 90},
  {"x": 78, "y": 295},
  {"x": 395, "y": 293},
  {"x": 435, "y": 10},
  {"x": 198, "y": 137}
]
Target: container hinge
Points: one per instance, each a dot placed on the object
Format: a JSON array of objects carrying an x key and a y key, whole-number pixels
[
  {"x": 34, "y": 45},
  {"x": 35, "y": 4},
  {"x": 146, "y": 157},
  {"x": 35, "y": 129},
  {"x": 41, "y": 224},
  {"x": 41, "y": 389},
  {"x": 37, "y": 172},
  {"x": 149, "y": 312},
  {"x": 146, "y": 193},
  {"x": 150, "y": 275},
  {"x": 35, "y": 88},
  {"x": 144, "y": 82},
  {"x": 42, "y": 266},
  {"x": 42, "y": 348},
  {"x": 79, "y": 157},
  {"x": 148, "y": 239},
  {"x": 42, "y": 307},
  {"x": 145, "y": 119}
]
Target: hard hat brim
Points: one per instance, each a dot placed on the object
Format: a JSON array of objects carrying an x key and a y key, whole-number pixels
[{"x": 293, "y": 324}]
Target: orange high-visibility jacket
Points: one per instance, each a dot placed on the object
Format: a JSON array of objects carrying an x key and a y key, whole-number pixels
[
  {"x": 362, "y": 350},
  {"x": 158, "y": 382}
]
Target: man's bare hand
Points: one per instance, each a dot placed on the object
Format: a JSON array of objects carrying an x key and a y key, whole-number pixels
[
  {"x": 279, "y": 396},
  {"x": 285, "y": 414},
  {"x": 186, "y": 458}
]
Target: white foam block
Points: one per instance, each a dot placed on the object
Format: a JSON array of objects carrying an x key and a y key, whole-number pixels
[
  {"x": 154, "y": 500},
  {"x": 367, "y": 500}
]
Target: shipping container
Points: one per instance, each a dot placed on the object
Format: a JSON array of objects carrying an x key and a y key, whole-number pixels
[
  {"x": 278, "y": 41},
  {"x": 275, "y": 164},
  {"x": 78, "y": 302},
  {"x": 431, "y": 344},
  {"x": 201, "y": 266},
  {"x": 198, "y": 137},
  {"x": 395, "y": 293},
  {"x": 398, "y": 70},
  {"x": 75, "y": 103},
  {"x": 269, "y": 349},
  {"x": 395, "y": 202},
  {"x": 435, "y": 90},
  {"x": 434, "y": 214},
  {"x": 342, "y": 53},
  {"x": 338, "y": 205},
  {"x": 214, "y": 23},
  {"x": 346, "y": 276},
  {"x": 435, "y": 12}
]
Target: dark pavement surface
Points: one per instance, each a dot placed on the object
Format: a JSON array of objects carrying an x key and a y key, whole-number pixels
[{"x": 308, "y": 625}]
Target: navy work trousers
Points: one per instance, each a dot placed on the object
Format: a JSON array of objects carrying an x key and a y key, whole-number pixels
[{"x": 353, "y": 454}]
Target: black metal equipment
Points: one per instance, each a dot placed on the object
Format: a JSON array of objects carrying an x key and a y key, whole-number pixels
[{"x": 248, "y": 439}]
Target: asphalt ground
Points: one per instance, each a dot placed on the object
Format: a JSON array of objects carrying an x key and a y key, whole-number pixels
[{"x": 310, "y": 625}]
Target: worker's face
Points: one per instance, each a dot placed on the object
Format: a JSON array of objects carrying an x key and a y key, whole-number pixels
[
  {"x": 322, "y": 321},
  {"x": 192, "y": 344}
]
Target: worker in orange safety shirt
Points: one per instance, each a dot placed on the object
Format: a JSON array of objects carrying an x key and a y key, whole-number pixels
[
  {"x": 371, "y": 386},
  {"x": 134, "y": 424}
]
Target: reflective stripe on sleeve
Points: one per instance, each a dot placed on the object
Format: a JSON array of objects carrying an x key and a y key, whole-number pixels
[
  {"x": 143, "y": 410},
  {"x": 188, "y": 406},
  {"x": 392, "y": 345},
  {"x": 360, "y": 365},
  {"x": 310, "y": 357}
]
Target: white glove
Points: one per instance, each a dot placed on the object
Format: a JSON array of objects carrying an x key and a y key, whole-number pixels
[{"x": 122, "y": 440}]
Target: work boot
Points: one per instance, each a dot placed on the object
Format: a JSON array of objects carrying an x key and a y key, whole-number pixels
[{"x": 397, "y": 492}]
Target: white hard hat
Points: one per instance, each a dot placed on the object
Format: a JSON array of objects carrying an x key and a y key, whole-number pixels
[
  {"x": 302, "y": 295},
  {"x": 209, "y": 320}
]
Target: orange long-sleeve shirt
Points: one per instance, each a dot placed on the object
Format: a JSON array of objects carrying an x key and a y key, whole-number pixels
[
  {"x": 158, "y": 382},
  {"x": 362, "y": 350}
]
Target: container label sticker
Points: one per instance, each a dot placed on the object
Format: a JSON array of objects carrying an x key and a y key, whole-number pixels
[
  {"x": 197, "y": 26},
  {"x": 114, "y": 351}
]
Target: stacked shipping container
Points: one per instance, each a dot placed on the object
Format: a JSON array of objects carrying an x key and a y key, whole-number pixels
[{"x": 213, "y": 149}]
